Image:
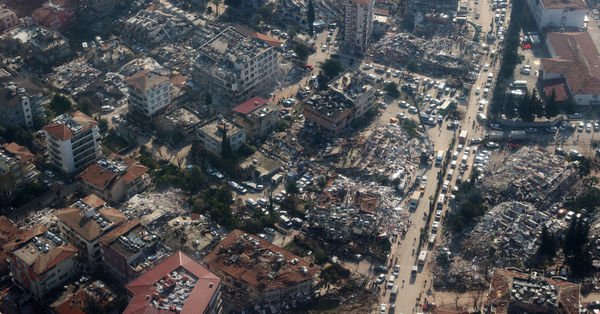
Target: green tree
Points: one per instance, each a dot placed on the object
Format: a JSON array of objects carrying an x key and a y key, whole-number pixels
[
  {"x": 60, "y": 104},
  {"x": 570, "y": 106},
  {"x": 310, "y": 17},
  {"x": 391, "y": 88},
  {"x": 103, "y": 126},
  {"x": 525, "y": 108},
  {"x": 331, "y": 68},
  {"x": 548, "y": 246},
  {"x": 291, "y": 187},
  {"x": 233, "y": 3},
  {"x": 301, "y": 50},
  {"x": 537, "y": 106},
  {"x": 552, "y": 109},
  {"x": 85, "y": 105}
]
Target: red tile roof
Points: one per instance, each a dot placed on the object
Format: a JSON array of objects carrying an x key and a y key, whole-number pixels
[
  {"x": 558, "y": 86},
  {"x": 8, "y": 230},
  {"x": 250, "y": 105},
  {"x": 97, "y": 176},
  {"x": 198, "y": 300},
  {"x": 93, "y": 201},
  {"x": 254, "y": 270},
  {"x": 59, "y": 131},
  {"x": 576, "y": 57},
  {"x": 248, "y": 32},
  {"x": 562, "y": 4},
  {"x": 25, "y": 156},
  {"x": 145, "y": 80},
  {"x": 88, "y": 228}
]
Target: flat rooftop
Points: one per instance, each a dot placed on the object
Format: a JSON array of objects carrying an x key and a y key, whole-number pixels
[
  {"x": 184, "y": 118},
  {"x": 67, "y": 125},
  {"x": 88, "y": 222},
  {"x": 215, "y": 128},
  {"x": 329, "y": 104},
  {"x": 351, "y": 84}
]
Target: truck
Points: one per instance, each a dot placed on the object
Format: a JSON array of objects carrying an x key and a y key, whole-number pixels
[
  {"x": 414, "y": 200},
  {"x": 439, "y": 157},
  {"x": 422, "y": 257},
  {"x": 462, "y": 137}
]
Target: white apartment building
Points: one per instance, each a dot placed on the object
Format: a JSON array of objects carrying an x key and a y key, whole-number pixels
[
  {"x": 558, "y": 13},
  {"x": 237, "y": 63},
  {"x": 149, "y": 93},
  {"x": 40, "y": 261},
  {"x": 211, "y": 134},
  {"x": 358, "y": 24},
  {"x": 73, "y": 141},
  {"x": 8, "y": 18}
]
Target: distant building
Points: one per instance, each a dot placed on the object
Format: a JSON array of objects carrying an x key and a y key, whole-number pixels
[
  {"x": 348, "y": 98},
  {"x": 557, "y": 14},
  {"x": 45, "y": 45},
  {"x": 73, "y": 141},
  {"x": 55, "y": 15},
  {"x": 238, "y": 63},
  {"x": 211, "y": 132},
  {"x": 40, "y": 261},
  {"x": 260, "y": 271},
  {"x": 575, "y": 60},
  {"x": 177, "y": 285},
  {"x": 183, "y": 120},
  {"x": 257, "y": 116},
  {"x": 149, "y": 93},
  {"x": 358, "y": 24},
  {"x": 16, "y": 169},
  {"x": 512, "y": 291},
  {"x": 130, "y": 250},
  {"x": 77, "y": 296},
  {"x": 8, "y": 19},
  {"x": 20, "y": 102},
  {"x": 115, "y": 179},
  {"x": 85, "y": 222}
]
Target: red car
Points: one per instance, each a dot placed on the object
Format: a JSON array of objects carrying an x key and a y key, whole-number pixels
[{"x": 309, "y": 67}]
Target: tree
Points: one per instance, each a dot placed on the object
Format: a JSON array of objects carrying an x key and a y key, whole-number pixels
[
  {"x": 291, "y": 187},
  {"x": 331, "y": 68},
  {"x": 233, "y": 3},
  {"x": 552, "y": 109},
  {"x": 391, "y": 89},
  {"x": 525, "y": 108},
  {"x": 216, "y": 3},
  {"x": 85, "y": 105},
  {"x": 310, "y": 17},
  {"x": 570, "y": 106},
  {"x": 537, "y": 106},
  {"x": 103, "y": 126},
  {"x": 547, "y": 247},
  {"x": 60, "y": 104},
  {"x": 302, "y": 51}
]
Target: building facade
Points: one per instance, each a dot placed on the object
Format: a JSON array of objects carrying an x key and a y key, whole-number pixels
[
  {"x": 85, "y": 222},
  {"x": 149, "y": 93},
  {"x": 8, "y": 18},
  {"x": 73, "y": 141},
  {"x": 211, "y": 135},
  {"x": 238, "y": 63},
  {"x": 40, "y": 261},
  {"x": 358, "y": 24},
  {"x": 115, "y": 179},
  {"x": 257, "y": 116},
  {"x": 16, "y": 169},
  {"x": 557, "y": 14},
  {"x": 20, "y": 102}
]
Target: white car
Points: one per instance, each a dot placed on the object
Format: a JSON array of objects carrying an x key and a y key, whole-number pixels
[
  {"x": 380, "y": 279},
  {"x": 49, "y": 173},
  {"x": 486, "y": 67},
  {"x": 382, "y": 308},
  {"x": 477, "y": 91},
  {"x": 396, "y": 271}
]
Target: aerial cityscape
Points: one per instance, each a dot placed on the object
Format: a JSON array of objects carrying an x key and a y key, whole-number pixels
[{"x": 299, "y": 156}]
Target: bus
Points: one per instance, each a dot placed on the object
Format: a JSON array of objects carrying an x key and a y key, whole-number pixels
[
  {"x": 443, "y": 109},
  {"x": 519, "y": 84},
  {"x": 422, "y": 257},
  {"x": 414, "y": 200},
  {"x": 462, "y": 137},
  {"x": 439, "y": 158},
  {"x": 481, "y": 117}
]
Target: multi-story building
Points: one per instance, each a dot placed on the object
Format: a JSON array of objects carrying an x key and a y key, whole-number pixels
[
  {"x": 55, "y": 16},
  {"x": 16, "y": 169},
  {"x": 73, "y": 141},
  {"x": 40, "y": 261},
  {"x": 557, "y": 14},
  {"x": 575, "y": 63},
  {"x": 130, "y": 250},
  {"x": 348, "y": 97},
  {"x": 149, "y": 93},
  {"x": 260, "y": 271},
  {"x": 358, "y": 24},
  {"x": 238, "y": 63},
  {"x": 8, "y": 18},
  {"x": 85, "y": 222},
  {"x": 114, "y": 179},
  {"x": 19, "y": 103},
  {"x": 257, "y": 116},
  {"x": 212, "y": 132},
  {"x": 177, "y": 285}
]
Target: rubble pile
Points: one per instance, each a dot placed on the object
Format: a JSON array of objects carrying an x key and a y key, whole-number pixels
[
  {"x": 530, "y": 175},
  {"x": 73, "y": 76},
  {"x": 155, "y": 209},
  {"x": 439, "y": 56},
  {"x": 507, "y": 235},
  {"x": 459, "y": 275}
]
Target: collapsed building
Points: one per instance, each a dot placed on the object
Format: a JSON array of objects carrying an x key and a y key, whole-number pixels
[{"x": 157, "y": 24}]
